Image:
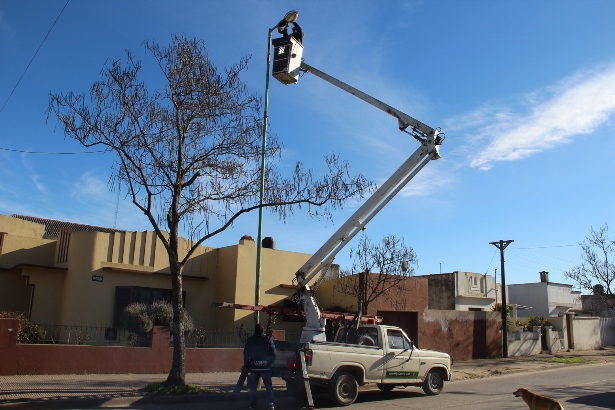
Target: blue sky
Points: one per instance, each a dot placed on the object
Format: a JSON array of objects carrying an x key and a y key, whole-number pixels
[{"x": 523, "y": 90}]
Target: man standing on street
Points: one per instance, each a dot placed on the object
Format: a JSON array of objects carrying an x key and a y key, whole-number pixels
[{"x": 258, "y": 357}]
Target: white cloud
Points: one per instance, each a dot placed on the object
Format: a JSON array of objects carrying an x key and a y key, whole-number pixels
[
  {"x": 91, "y": 188},
  {"x": 577, "y": 105}
]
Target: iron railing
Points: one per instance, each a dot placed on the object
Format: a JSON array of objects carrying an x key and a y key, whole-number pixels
[
  {"x": 92, "y": 335},
  {"x": 100, "y": 335}
]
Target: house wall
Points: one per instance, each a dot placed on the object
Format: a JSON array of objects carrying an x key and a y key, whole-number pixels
[
  {"x": 464, "y": 335},
  {"x": 47, "y": 294},
  {"x": 442, "y": 291},
  {"x": 586, "y": 333},
  {"x": 530, "y": 294},
  {"x": 476, "y": 291},
  {"x": 15, "y": 292},
  {"x": 599, "y": 304},
  {"x": 463, "y": 291},
  {"x": 544, "y": 298},
  {"x": 561, "y": 297},
  {"x": 23, "y": 240},
  {"x": 522, "y": 343},
  {"x": 52, "y": 280}
]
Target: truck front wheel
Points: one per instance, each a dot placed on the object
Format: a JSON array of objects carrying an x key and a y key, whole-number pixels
[
  {"x": 433, "y": 383},
  {"x": 343, "y": 389}
]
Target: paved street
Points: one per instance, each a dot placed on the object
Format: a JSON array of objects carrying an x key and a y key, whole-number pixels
[{"x": 577, "y": 387}]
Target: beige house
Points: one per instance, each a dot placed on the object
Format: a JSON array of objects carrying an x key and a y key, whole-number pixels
[{"x": 65, "y": 273}]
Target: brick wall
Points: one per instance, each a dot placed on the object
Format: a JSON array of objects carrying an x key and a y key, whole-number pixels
[{"x": 71, "y": 359}]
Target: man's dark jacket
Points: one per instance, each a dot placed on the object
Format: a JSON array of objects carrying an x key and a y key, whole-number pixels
[{"x": 259, "y": 353}]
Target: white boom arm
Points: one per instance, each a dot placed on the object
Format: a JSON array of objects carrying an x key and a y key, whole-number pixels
[{"x": 429, "y": 149}]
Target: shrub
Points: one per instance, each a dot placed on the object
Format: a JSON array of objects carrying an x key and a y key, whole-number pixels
[
  {"x": 537, "y": 321},
  {"x": 28, "y": 332},
  {"x": 139, "y": 319},
  {"x": 136, "y": 319},
  {"x": 161, "y": 313}
]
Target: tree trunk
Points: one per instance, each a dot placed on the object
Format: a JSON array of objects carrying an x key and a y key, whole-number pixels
[{"x": 177, "y": 374}]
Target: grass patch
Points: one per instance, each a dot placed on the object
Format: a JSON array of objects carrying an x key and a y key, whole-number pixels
[
  {"x": 565, "y": 360},
  {"x": 163, "y": 389}
]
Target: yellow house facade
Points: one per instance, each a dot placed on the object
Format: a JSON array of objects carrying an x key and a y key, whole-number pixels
[{"x": 84, "y": 275}]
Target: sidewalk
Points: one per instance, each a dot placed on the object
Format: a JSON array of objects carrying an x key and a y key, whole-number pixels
[{"x": 24, "y": 391}]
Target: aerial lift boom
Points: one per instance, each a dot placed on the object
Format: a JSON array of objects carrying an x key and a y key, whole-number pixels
[
  {"x": 288, "y": 64},
  {"x": 429, "y": 150}
]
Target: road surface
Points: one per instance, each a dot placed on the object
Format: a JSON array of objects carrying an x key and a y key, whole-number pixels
[{"x": 575, "y": 386}]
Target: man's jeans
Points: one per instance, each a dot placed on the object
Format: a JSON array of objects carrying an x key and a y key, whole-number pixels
[{"x": 253, "y": 381}]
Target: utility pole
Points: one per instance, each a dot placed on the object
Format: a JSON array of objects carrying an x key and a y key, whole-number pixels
[
  {"x": 501, "y": 245},
  {"x": 495, "y": 285}
]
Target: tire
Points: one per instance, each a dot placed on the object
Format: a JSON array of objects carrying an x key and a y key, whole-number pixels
[
  {"x": 433, "y": 383},
  {"x": 385, "y": 387},
  {"x": 366, "y": 341},
  {"x": 343, "y": 389}
]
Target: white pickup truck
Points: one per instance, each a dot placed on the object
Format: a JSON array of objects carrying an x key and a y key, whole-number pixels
[{"x": 374, "y": 354}]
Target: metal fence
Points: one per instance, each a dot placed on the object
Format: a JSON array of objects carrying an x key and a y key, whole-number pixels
[
  {"x": 200, "y": 338},
  {"x": 82, "y": 335},
  {"x": 607, "y": 331},
  {"x": 112, "y": 336}
]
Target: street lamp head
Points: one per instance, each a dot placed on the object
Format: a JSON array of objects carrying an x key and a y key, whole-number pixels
[{"x": 291, "y": 16}]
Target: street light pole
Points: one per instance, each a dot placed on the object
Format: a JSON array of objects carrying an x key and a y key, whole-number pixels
[
  {"x": 501, "y": 245},
  {"x": 289, "y": 17}
]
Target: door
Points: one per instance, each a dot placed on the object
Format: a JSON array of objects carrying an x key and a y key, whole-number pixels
[
  {"x": 407, "y": 321},
  {"x": 401, "y": 365}
]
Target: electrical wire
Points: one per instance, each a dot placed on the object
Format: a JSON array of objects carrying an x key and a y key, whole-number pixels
[
  {"x": 50, "y": 153},
  {"x": 34, "y": 56}
]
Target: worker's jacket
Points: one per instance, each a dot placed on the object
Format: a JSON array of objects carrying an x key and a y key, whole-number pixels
[{"x": 259, "y": 353}]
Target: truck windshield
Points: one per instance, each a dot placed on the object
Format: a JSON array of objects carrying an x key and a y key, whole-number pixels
[{"x": 397, "y": 340}]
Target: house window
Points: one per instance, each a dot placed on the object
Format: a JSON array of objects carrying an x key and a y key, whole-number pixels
[{"x": 125, "y": 295}]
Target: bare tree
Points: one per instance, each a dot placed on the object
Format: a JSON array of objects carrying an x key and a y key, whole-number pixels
[
  {"x": 376, "y": 269},
  {"x": 189, "y": 153},
  {"x": 596, "y": 272}
]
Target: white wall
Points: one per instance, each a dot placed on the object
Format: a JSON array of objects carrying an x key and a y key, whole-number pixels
[
  {"x": 563, "y": 296},
  {"x": 524, "y": 343},
  {"x": 544, "y": 298},
  {"x": 475, "y": 290},
  {"x": 529, "y": 294},
  {"x": 586, "y": 333}
]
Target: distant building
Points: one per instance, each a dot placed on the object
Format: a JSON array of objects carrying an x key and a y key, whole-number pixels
[
  {"x": 546, "y": 298},
  {"x": 467, "y": 291},
  {"x": 600, "y": 303}
]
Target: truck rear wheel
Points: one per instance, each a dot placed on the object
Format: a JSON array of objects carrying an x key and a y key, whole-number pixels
[
  {"x": 343, "y": 389},
  {"x": 433, "y": 383}
]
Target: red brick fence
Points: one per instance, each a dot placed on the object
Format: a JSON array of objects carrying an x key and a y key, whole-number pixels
[{"x": 73, "y": 359}]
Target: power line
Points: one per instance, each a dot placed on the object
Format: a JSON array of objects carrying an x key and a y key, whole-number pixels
[
  {"x": 50, "y": 153},
  {"x": 547, "y": 247},
  {"x": 34, "y": 56}
]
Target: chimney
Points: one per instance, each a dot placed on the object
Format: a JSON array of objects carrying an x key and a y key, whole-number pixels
[
  {"x": 268, "y": 242},
  {"x": 246, "y": 240},
  {"x": 544, "y": 276}
]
